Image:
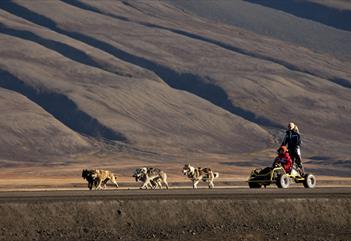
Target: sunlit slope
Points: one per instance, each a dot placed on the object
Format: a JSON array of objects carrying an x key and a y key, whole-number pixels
[
  {"x": 137, "y": 109},
  {"x": 149, "y": 75},
  {"x": 321, "y": 25},
  {"x": 28, "y": 131}
]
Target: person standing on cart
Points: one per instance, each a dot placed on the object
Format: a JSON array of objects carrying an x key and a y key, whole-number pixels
[{"x": 292, "y": 140}]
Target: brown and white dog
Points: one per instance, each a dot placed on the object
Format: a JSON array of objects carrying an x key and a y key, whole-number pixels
[
  {"x": 99, "y": 178},
  {"x": 150, "y": 177},
  {"x": 200, "y": 174}
]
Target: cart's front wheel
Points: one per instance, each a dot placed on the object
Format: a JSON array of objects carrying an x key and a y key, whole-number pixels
[
  {"x": 310, "y": 181},
  {"x": 283, "y": 181}
]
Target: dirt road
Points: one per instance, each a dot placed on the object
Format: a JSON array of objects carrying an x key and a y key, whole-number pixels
[{"x": 201, "y": 193}]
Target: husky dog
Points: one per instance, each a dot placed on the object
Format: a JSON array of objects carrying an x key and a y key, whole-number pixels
[
  {"x": 200, "y": 174},
  {"x": 150, "y": 177},
  {"x": 139, "y": 176},
  {"x": 99, "y": 178}
]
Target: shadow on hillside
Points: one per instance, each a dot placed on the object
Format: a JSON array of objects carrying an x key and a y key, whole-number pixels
[
  {"x": 46, "y": 22},
  {"x": 182, "y": 81},
  {"x": 292, "y": 67},
  {"x": 196, "y": 37},
  {"x": 342, "y": 82},
  {"x": 64, "y": 49},
  {"x": 88, "y": 7},
  {"x": 333, "y": 17},
  {"x": 59, "y": 47},
  {"x": 62, "y": 108}
]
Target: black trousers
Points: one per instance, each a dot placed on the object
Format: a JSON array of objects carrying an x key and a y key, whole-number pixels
[{"x": 296, "y": 157}]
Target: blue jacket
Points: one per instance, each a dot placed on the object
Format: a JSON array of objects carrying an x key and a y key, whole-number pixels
[{"x": 292, "y": 140}]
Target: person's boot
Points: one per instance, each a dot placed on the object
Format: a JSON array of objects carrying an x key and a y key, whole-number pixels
[{"x": 301, "y": 171}]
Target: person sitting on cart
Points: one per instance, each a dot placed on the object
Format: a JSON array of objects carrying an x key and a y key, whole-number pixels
[{"x": 284, "y": 159}]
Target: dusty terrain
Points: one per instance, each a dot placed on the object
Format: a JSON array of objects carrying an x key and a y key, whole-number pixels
[{"x": 226, "y": 214}]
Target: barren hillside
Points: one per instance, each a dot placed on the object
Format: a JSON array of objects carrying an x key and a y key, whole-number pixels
[{"x": 83, "y": 78}]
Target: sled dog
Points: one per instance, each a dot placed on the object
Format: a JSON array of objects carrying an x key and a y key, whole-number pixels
[
  {"x": 150, "y": 177},
  {"x": 99, "y": 178},
  {"x": 200, "y": 174}
]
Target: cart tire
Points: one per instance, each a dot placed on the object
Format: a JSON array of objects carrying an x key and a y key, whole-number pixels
[
  {"x": 283, "y": 181},
  {"x": 310, "y": 181}
]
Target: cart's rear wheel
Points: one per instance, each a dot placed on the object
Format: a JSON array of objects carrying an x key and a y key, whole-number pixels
[
  {"x": 283, "y": 181},
  {"x": 310, "y": 181}
]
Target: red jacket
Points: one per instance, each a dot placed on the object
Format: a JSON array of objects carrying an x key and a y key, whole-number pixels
[{"x": 285, "y": 160}]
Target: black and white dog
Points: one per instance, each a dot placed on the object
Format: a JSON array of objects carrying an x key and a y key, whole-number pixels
[
  {"x": 150, "y": 177},
  {"x": 200, "y": 174},
  {"x": 99, "y": 178}
]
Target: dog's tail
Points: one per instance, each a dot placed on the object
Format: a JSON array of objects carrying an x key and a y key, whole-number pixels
[{"x": 215, "y": 174}]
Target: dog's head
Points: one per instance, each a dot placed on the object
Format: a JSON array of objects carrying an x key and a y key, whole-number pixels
[
  {"x": 139, "y": 173},
  {"x": 84, "y": 173},
  {"x": 187, "y": 169},
  {"x": 89, "y": 174},
  {"x": 143, "y": 170}
]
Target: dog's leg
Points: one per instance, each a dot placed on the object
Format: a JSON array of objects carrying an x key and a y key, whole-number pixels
[
  {"x": 154, "y": 184},
  {"x": 146, "y": 183},
  {"x": 95, "y": 182},
  {"x": 104, "y": 184},
  {"x": 195, "y": 182},
  {"x": 210, "y": 180},
  {"x": 164, "y": 179},
  {"x": 166, "y": 183},
  {"x": 90, "y": 185},
  {"x": 99, "y": 182},
  {"x": 151, "y": 184},
  {"x": 163, "y": 176},
  {"x": 159, "y": 183},
  {"x": 114, "y": 181}
]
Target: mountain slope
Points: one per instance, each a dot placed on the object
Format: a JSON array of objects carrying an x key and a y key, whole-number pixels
[
  {"x": 27, "y": 131},
  {"x": 322, "y": 26},
  {"x": 149, "y": 75}
]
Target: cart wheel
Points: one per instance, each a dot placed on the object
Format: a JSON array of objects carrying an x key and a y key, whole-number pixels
[
  {"x": 254, "y": 185},
  {"x": 283, "y": 181},
  {"x": 310, "y": 181}
]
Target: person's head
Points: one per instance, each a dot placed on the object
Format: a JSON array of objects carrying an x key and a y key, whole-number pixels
[
  {"x": 293, "y": 127},
  {"x": 282, "y": 150}
]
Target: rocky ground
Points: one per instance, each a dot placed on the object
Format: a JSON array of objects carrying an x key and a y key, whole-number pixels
[{"x": 230, "y": 214}]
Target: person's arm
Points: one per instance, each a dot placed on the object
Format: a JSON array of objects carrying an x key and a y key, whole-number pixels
[
  {"x": 299, "y": 142},
  {"x": 285, "y": 140},
  {"x": 275, "y": 162}
]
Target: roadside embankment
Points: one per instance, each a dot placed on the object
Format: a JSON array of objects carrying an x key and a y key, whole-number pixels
[{"x": 177, "y": 215}]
